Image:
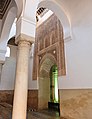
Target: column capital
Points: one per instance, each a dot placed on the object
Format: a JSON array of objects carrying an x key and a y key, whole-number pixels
[{"x": 25, "y": 38}]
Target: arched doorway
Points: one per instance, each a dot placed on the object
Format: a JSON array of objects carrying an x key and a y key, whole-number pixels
[
  {"x": 53, "y": 104},
  {"x": 54, "y": 84},
  {"x": 48, "y": 96},
  {"x": 45, "y": 73},
  {"x": 48, "y": 56}
]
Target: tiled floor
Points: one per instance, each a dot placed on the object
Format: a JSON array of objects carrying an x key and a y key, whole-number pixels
[{"x": 6, "y": 111}]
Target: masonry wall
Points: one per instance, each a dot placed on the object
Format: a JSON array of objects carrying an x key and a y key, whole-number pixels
[
  {"x": 76, "y": 103},
  {"x": 78, "y": 77},
  {"x": 76, "y": 86}
]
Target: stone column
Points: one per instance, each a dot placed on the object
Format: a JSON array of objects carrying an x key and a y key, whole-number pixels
[{"x": 21, "y": 83}]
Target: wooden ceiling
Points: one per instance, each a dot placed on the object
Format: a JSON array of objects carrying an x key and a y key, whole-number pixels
[{"x": 3, "y": 7}]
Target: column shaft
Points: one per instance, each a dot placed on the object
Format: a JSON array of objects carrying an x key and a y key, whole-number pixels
[{"x": 21, "y": 83}]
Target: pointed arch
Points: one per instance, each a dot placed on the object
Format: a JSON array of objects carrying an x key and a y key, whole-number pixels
[
  {"x": 8, "y": 24},
  {"x": 19, "y": 4},
  {"x": 61, "y": 14}
]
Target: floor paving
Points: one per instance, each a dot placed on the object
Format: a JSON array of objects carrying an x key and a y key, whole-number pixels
[
  {"x": 43, "y": 114},
  {"x": 6, "y": 113}
]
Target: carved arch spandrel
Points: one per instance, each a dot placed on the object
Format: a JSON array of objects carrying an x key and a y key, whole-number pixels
[
  {"x": 45, "y": 65},
  {"x": 55, "y": 47}
]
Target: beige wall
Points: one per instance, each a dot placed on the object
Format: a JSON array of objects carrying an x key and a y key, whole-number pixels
[
  {"x": 76, "y": 104},
  {"x": 43, "y": 93}
]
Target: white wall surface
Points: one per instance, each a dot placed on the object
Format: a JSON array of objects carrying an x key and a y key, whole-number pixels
[
  {"x": 9, "y": 69},
  {"x": 78, "y": 57},
  {"x": 13, "y": 30},
  {"x": 8, "y": 74},
  {"x": 78, "y": 50}
]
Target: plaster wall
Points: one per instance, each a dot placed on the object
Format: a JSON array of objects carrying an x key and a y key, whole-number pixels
[
  {"x": 9, "y": 69},
  {"x": 78, "y": 59},
  {"x": 78, "y": 50},
  {"x": 8, "y": 78},
  {"x": 8, "y": 74},
  {"x": 44, "y": 92}
]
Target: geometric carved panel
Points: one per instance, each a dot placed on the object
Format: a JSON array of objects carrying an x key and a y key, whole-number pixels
[{"x": 49, "y": 40}]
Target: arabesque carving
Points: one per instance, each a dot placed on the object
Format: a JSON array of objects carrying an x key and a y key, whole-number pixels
[{"x": 49, "y": 39}]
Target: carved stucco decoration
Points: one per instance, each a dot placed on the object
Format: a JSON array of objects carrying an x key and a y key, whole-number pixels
[{"x": 49, "y": 44}]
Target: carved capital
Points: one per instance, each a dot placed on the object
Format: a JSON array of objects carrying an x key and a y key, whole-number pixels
[
  {"x": 25, "y": 38},
  {"x": 24, "y": 43}
]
